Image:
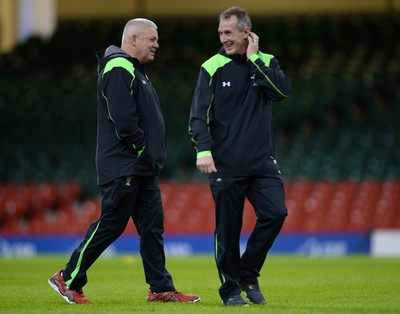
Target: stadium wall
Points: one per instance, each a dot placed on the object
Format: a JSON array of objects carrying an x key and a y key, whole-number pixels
[
  {"x": 378, "y": 243},
  {"x": 180, "y": 8},
  {"x": 317, "y": 244}
]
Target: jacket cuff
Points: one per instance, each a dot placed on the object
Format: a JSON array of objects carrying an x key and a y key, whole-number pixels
[{"x": 206, "y": 153}]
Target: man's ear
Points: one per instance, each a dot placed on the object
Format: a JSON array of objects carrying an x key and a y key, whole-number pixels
[
  {"x": 246, "y": 33},
  {"x": 134, "y": 39}
]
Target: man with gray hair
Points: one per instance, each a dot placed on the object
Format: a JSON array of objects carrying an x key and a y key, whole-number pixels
[
  {"x": 231, "y": 129},
  {"x": 131, "y": 151}
]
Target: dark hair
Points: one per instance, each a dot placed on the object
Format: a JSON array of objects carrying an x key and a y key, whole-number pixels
[{"x": 241, "y": 14}]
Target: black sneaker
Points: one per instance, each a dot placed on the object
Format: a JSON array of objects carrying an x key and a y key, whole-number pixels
[
  {"x": 252, "y": 293},
  {"x": 235, "y": 300}
]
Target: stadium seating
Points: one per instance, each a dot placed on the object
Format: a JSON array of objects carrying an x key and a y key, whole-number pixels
[
  {"x": 323, "y": 206},
  {"x": 338, "y": 137}
]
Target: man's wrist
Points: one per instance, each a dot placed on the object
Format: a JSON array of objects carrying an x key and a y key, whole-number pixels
[{"x": 206, "y": 153}]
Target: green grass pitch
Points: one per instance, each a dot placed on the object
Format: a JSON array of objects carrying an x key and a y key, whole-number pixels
[{"x": 291, "y": 284}]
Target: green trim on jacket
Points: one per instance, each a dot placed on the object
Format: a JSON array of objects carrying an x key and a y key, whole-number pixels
[
  {"x": 119, "y": 62},
  {"x": 214, "y": 63}
]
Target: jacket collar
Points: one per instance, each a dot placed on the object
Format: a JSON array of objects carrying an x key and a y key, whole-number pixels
[
  {"x": 113, "y": 52},
  {"x": 239, "y": 57}
]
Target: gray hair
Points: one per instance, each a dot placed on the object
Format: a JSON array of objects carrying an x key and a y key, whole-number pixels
[
  {"x": 134, "y": 26},
  {"x": 244, "y": 20}
]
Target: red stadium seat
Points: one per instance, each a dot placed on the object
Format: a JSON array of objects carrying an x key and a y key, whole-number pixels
[{"x": 322, "y": 206}]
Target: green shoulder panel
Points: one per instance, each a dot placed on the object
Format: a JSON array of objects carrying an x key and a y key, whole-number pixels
[
  {"x": 214, "y": 63},
  {"x": 265, "y": 57},
  {"x": 121, "y": 63}
]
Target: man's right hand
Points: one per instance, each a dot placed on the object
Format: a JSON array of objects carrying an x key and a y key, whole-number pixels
[{"x": 206, "y": 164}]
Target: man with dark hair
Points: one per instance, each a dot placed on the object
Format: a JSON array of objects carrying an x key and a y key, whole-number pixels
[
  {"x": 130, "y": 153},
  {"x": 230, "y": 126}
]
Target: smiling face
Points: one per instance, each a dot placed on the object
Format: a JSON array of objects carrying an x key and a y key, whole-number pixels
[
  {"x": 146, "y": 44},
  {"x": 233, "y": 40}
]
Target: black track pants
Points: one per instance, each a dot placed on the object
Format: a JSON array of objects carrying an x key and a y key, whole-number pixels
[
  {"x": 267, "y": 196},
  {"x": 138, "y": 198}
]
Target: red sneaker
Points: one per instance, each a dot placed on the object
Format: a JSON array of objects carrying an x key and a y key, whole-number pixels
[
  {"x": 171, "y": 296},
  {"x": 71, "y": 296}
]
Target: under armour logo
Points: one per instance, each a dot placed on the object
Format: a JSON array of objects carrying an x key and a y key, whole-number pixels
[
  {"x": 128, "y": 181},
  {"x": 226, "y": 84},
  {"x": 253, "y": 80}
]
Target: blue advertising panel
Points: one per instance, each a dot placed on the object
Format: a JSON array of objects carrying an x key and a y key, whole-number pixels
[{"x": 184, "y": 245}]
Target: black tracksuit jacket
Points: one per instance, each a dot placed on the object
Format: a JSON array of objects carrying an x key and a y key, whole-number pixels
[
  {"x": 130, "y": 126},
  {"x": 231, "y": 112}
]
